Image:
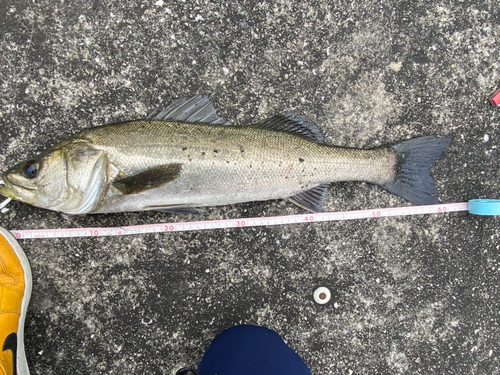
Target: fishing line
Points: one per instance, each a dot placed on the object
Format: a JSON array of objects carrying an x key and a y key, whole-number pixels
[{"x": 489, "y": 207}]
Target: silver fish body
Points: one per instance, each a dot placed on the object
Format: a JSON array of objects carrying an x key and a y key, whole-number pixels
[
  {"x": 227, "y": 164},
  {"x": 185, "y": 157}
]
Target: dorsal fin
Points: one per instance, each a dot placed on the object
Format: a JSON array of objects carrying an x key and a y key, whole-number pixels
[
  {"x": 290, "y": 122},
  {"x": 197, "y": 109}
]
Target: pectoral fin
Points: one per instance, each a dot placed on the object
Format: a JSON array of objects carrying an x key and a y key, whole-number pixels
[{"x": 148, "y": 179}]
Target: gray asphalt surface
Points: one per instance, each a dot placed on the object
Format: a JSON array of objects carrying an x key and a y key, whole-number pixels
[{"x": 410, "y": 295}]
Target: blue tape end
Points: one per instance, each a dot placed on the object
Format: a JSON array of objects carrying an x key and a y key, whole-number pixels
[{"x": 486, "y": 207}]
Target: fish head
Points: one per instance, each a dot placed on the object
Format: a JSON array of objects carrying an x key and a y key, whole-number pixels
[{"x": 70, "y": 177}]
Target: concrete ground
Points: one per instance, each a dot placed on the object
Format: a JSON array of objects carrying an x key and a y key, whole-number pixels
[{"x": 410, "y": 295}]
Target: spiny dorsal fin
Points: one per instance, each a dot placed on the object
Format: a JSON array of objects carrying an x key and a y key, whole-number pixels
[
  {"x": 148, "y": 179},
  {"x": 311, "y": 200},
  {"x": 290, "y": 122},
  {"x": 197, "y": 109}
]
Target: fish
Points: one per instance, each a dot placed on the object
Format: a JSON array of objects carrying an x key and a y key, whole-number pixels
[{"x": 184, "y": 158}]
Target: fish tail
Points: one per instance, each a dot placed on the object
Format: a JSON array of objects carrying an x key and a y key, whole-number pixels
[{"x": 415, "y": 158}]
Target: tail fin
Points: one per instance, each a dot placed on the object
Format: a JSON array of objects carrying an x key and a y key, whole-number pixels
[{"x": 415, "y": 159}]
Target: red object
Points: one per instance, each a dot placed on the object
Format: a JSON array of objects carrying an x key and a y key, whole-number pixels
[{"x": 495, "y": 98}]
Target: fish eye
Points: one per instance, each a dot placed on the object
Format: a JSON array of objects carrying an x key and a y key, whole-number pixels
[{"x": 30, "y": 169}]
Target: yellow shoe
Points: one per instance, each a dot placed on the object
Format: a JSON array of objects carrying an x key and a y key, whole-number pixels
[{"x": 15, "y": 292}]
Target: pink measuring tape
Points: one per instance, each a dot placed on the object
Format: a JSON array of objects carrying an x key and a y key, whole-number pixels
[{"x": 258, "y": 221}]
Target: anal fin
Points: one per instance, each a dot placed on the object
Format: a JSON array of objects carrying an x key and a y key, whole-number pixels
[
  {"x": 311, "y": 200},
  {"x": 148, "y": 179}
]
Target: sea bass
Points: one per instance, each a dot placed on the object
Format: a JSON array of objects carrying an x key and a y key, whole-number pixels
[{"x": 185, "y": 157}]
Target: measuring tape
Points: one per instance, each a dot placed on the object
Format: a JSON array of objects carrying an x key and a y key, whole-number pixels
[{"x": 475, "y": 206}]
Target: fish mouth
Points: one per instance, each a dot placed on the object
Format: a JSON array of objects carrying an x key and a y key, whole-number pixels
[{"x": 16, "y": 192}]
